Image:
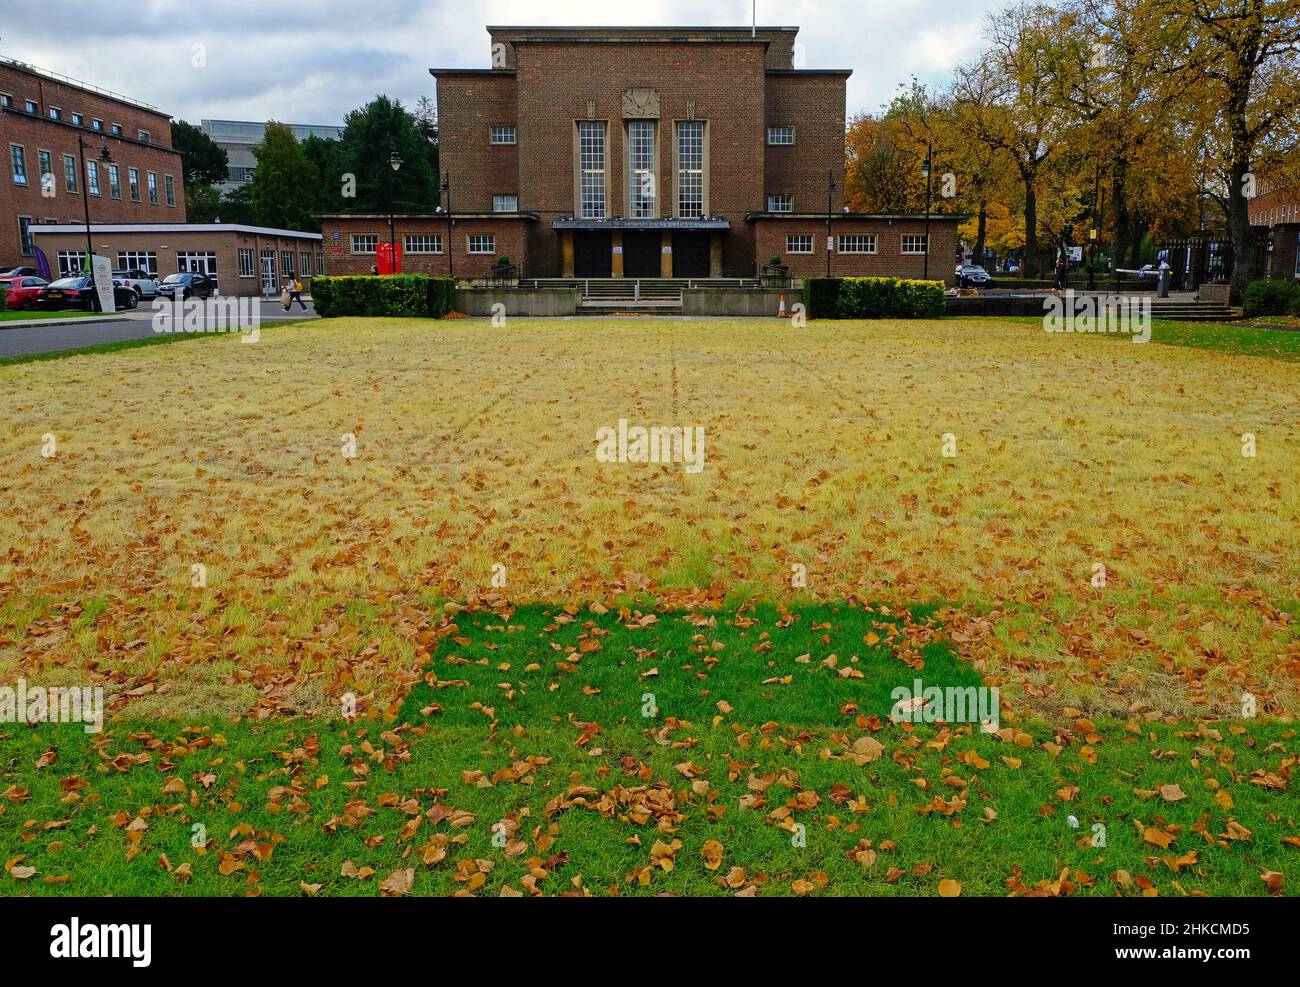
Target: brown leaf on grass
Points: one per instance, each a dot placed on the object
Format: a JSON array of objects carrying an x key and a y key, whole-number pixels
[
  {"x": 15, "y": 794},
  {"x": 1273, "y": 880},
  {"x": 398, "y": 882},
  {"x": 309, "y": 889},
  {"x": 948, "y": 888},
  {"x": 1172, "y": 793},
  {"x": 712, "y": 854}
]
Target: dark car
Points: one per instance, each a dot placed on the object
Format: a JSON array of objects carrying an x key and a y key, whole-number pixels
[
  {"x": 188, "y": 284},
  {"x": 78, "y": 291},
  {"x": 21, "y": 292},
  {"x": 19, "y": 272},
  {"x": 972, "y": 276}
]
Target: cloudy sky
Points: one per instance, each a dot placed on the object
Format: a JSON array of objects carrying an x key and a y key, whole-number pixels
[{"x": 313, "y": 62}]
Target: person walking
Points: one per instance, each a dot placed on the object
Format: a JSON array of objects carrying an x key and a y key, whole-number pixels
[
  {"x": 1061, "y": 268},
  {"x": 292, "y": 293}
]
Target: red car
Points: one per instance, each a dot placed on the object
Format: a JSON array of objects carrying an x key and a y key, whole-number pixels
[{"x": 22, "y": 291}]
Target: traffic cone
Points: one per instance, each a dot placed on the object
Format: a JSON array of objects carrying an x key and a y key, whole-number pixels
[{"x": 780, "y": 314}]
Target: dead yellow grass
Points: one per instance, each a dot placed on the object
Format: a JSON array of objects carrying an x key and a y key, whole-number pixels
[{"x": 475, "y": 446}]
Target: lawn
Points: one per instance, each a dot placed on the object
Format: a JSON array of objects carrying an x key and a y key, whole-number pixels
[
  {"x": 441, "y": 580},
  {"x": 13, "y": 315}
]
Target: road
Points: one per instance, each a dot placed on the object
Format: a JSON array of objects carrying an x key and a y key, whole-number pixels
[{"x": 20, "y": 338}]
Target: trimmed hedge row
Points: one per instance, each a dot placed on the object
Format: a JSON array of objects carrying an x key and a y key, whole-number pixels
[
  {"x": 1272, "y": 296},
  {"x": 414, "y": 296},
  {"x": 872, "y": 298}
]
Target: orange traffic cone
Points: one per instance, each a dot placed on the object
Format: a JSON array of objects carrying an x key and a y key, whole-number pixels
[{"x": 780, "y": 314}]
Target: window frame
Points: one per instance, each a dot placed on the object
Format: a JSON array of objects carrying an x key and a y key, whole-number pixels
[
  {"x": 872, "y": 237},
  {"x": 774, "y": 129},
  {"x": 434, "y": 239},
  {"x": 248, "y": 270},
  {"x": 71, "y": 182},
  {"x": 361, "y": 237},
  {"x": 26, "y": 244},
  {"x": 469, "y": 244},
  {"x": 790, "y": 248},
  {"x": 681, "y": 171},
  {"x": 502, "y": 127},
  {"x": 591, "y": 187},
  {"x": 18, "y": 163},
  {"x": 902, "y": 244},
  {"x": 789, "y": 202},
  {"x": 505, "y": 195}
]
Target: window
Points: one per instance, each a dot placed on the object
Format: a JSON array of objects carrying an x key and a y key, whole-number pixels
[
  {"x": 780, "y": 135},
  {"x": 137, "y": 260},
  {"x": 690, "y": 169},
  {"x": 76, "y": 119},
  {"x": 424, "y": 243},
  {"x": 780, "y": 203},
  {"x": 71, "y": 262},
  {"x": 482, "y": 243},
  {"x": 70, "y": 173},
  {"x": 505, "y": 203},
  {"x": 6, "y": 100},
  {"x": 19, "y": 159},
  {"x": 245, "y": 262},
  {"x": 29, "y": 105},
  {"x": 92, "y": 177},
  {"x": 798, "y": 243},
  {"x": 591, "y": 169},
  {"x": 151, "y": 182},
  {"x": 117, "y": 130},
  {"x": 114, "y": 182},
  {"x": 268, "y": 269},
  {"x": 641, "y": 169},
  {"x": 239, "y": 174},
  {"x": 286, "y": 263},
  {"x": 96, "y": 123},
  {"x": 914, "y": 243},
  {"x": 304, "y": 262},
  {"x": 133, "y": 180},
  {"x": 143, "y": 136},
  {"x": 171, "y": 189},
  {"x": 25, "y": 234},
  {"x": 858, "y": 243},
  {"x": 55, "y": 113},
  {"x": 320, "y": 264},
  {"x": 364, "y": 243},
  {"x": 502, "y": 135},
  {"x": 46, "y": 168},
  {"x": 196, "y": 261}
]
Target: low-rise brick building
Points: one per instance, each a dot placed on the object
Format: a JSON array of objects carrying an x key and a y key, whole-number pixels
[
  {"x": 645, "y": 152},
  {"x": 245, "y": 260},
  {"x": 1276, "y": 215},
  {"x": 44, "y": 121}
]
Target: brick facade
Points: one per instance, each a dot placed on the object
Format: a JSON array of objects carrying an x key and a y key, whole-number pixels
[
  {"x": 35, "y": 131},
  {"x": 545, "y": 82},
  {"x": 887, "y": 259},
  {"x": 224, "y": 240},
  {"x": 509, "y": 239}
]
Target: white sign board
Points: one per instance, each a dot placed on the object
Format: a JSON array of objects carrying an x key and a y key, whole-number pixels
[{"x": 102, "y": 271}]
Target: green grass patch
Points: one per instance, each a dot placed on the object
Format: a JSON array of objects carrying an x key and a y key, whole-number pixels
[{"x": 559, "y": 752}]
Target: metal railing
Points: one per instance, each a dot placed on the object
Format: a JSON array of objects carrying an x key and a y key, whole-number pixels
[
  {"x": 502, "y": 276},
  {"x": 60, "y": 77},
  {"x": 771, "y": 276}
]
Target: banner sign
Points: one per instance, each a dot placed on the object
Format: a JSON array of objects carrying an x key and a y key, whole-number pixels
[{"x": 103, "y": 275}]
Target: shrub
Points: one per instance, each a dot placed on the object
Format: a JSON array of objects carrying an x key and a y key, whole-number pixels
[
  {"x": 1271, "y": 296},
  {"x": 400, "y": 295},
  {"x": 872, "y": 298}
]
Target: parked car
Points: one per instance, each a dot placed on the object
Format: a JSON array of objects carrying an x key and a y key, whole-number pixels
[
  {"x": 144, "y": 284},
  {"x": 21, "y": 292},
  {"x": 972, "y": 276},
  {"x": 78, "y": 291},
  {"x": 19, "y": 272},
  {"x": 188, "y": 284}
]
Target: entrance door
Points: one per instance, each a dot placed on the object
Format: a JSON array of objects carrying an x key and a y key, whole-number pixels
[
  {"x": 592, "y": 250},
  {"x": 641, "y": 253},
  {"x": 690, "y": 254},
  {"x": 269, "y": 286}
]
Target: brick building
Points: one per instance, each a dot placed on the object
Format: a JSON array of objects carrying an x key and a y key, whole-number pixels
[
  {"x": 645, "y": 152},
  {"x": 245, "y": 260},
  {"x": 42, "y": 115},
  {"x": 1276, "y": 215}
]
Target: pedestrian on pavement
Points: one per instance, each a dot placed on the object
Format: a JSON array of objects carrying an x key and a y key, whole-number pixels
[
  {"x": 1061, "y": 269},
  {"x": 295, "y": 294}
]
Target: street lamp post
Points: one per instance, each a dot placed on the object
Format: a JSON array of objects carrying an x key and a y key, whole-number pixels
[
  {"x": 394, "y": 162},
  {"x": 926, "y": 170},
  {"x": 445, "y": 189},
  {"x": 830, "y": 242},
  {"x": 105, "y": 158}
]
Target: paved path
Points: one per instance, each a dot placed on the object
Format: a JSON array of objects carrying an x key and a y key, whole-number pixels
[{"x": 23, "y": 336}]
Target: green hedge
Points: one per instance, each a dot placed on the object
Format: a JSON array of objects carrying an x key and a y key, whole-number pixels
[
  {"x": 872, "y": 298},
  {"x": 1272, "y": 296},
  {"x": 402, "y": 295}
]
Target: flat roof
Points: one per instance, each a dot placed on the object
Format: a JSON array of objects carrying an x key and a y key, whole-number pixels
[
  {"x": 641, "y": 224},
  {"x": 644, "y": 27},
  {"x": 821, "y": 216},
  {"x": 168, "y": 228},
  {"x": 440, "y": 215},
  {"x": 845, "y": 72}
]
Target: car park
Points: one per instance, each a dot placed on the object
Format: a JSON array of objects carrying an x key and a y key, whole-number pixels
[
  {"x": 144, "y": 284},
  {"x": 18, "y": 272},
  {"x": 78, "y": 292},
  {"x": 188, "y": 284},
  {"x": 22, "y": 291}
]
